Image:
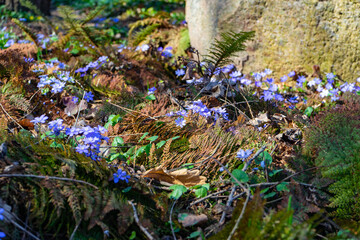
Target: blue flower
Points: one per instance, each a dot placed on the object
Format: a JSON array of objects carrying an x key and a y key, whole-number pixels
[
  {"x": 291, "y": 74},
  {"x": 2, "y": 235},
  {"x": 1, "y": 212},
  {"x": 244, "y": 154},
  {"x": 89, "y": 96},
  {"x": 330, "y": 76},
  {"x": 283, "y": 78},
  {"x": 180, "y": 122},
  {"x": 40, "y": 119},
  {"x": 74, "y": 99},
  {"x": 301, "y": 80},
  {"x": 151, "y": 90},
  {"x": 180, "y": 72},
  {"x": 82, "y": 148},
  {"x": 262, "y": 164},
  {"x": 121, "y": 175},
  {"x": 268, "y": 95}
]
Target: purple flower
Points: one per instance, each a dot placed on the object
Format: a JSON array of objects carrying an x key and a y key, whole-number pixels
[
  {"x": 283, "y": 78},
  {"x": 244, "y": 153},
  {"x": 257, "y": 76},
  {"x": 101, "y": 129},
  {"x": 291, "y": 74},
  {"x": 72, "y": 131},
  {"x": 180, "y": 122},
  {"x": 180, "y": 72},
  {"x": 301, "y": 80},
  {"x": 82, "y": 148},
  {"x": 1, "y": 212},
  {"x": 267, "y": 71},
  {"x": 279, "y": 97},
  {"x": 182, "y": 113},
  {"x": 56, "y": 124},
  {"x": 328, "y": 86},
  {"x": 74, "y": 99},
  {"x": 273, "y": 88},
  {"x": 235, "y": 74},
  {"x": 245, "y": 81},
  {"x": 151, "y": 90},
  {"x": 121, "y": 175},
  {"x": 89, "y": 96},
  {"x": 40, "y": 119},
  {"x": 330, "y": 76},
  {"x": 270, "y": 80},
  {"x": 268, "y": 95},
  {"x": 258, "y": 84}
]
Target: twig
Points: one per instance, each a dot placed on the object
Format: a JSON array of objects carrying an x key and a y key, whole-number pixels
[
  {"x": 208, "y": 196},
  {"x": 228, "y": 204},
  {"x": 10, "y": 116},
  {"x": 148, "y": 235},
  {"x": 21, "y": 228},
  {"x": 229, "y": 103},
  {"x": 247, "y": 103},
  {"x": 240, "y": 217},
  {"x": 75, "y": 229},
  {"x": 48, "y": 177},
  {"x": 170, "y": 220},
  {"x": 247, "y": 164}
]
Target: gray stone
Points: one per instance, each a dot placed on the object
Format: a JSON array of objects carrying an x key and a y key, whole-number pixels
[{"x": 290, "y": 34}]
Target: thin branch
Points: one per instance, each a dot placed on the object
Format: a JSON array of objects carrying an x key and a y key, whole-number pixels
[
  {"x": 170, "y": 220},
  {"x": 10, "y": 116},
  {"x": 75, "y": 229},
  {"x": 208, "y": 196},
  {"x": 240, "y": 217},
  {"x": 48, "y": 177},
  {"x": 228, "y": 204},
  {"x": 148, "y": 235}
]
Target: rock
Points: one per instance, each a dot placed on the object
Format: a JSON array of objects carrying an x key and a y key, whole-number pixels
[{"x": 290, "y": 34}]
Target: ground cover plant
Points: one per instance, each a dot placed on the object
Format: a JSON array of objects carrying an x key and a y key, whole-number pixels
[{"x": 114, "y": 127}]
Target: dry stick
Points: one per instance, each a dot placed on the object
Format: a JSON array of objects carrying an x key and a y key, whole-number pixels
[
  {"x": 247, "y": 118},
  {"x": 22, "y": 229},
  {"x": 246, "y": 190},
  {"x": 208, "y": 196},
  {"x": 148, "y": 235},
  {"x": 48, "y": 177},
  {"x": 240, "y": 217},
  {"x": 228, "y": 204},
  {"x": 10, "y": 116},
  {"x": 247, "y": 164},
  {"x": 252, "y": 115},
  {"x": 76, "y": 228},
  {"x": 170, "y": 220}
]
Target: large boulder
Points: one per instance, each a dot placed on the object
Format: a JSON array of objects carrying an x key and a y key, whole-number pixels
[{"x": 290, "y": 34}]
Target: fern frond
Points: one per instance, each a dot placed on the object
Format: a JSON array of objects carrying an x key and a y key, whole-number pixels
[
  {"x": 93, "y": 14},
  {"x": 227, "y": 46},
  {"x": 27, "y": 31},
  {"x": 142, "y": 34},
  {"x": 67, "y": 13}
]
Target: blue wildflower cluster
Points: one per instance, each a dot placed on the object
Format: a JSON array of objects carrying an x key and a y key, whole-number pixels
[
  {"x": 7, "y": 38},
  {"x": 88, "y": 138},
  {"x": 197, "y": 107},
  {"x": 92, "y": 65},
  {"x": 56, "y": 82}
]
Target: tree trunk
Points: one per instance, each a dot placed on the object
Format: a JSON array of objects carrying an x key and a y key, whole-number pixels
[{"x": 43, "y": 5}]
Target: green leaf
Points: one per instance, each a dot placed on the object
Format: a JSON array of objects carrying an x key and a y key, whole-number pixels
[
  {"x": 114, "y": 156},
  {"x": 269, "y": 195},
  {"x": 178, "y": 190},
  {"x": 264, "y": 190},
  {"x": 74, "y": 51},
  {"x": 140, "y": 151},
  {"x": 194, "y": 235},
  {"x": 133, "y": 235},
  {"x": 182, "y": 216},
  {"x": 153, "y": 138},
  {"x": 150, "y": 97},
  {"x": 207, "y": 186},
  {"x": 143, "y": 136},
  {"x": 174, "y": 138},
  {"x": 308, "y": 111},
  {"x": 240, "y": 175},
  {"x": 272, "y": 173},
  {"x": 147, "y": 149},
  {"x": 56, "y": 145},
  {"x": 118, "y": 141},
  {"x": 282, "y": 187},
  {"x": 201, "y": 192},
  {"x": 125, "y": 190},
  {"x": 160, "y": 144}
]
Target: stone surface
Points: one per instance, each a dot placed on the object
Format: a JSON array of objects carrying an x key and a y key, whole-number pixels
[{"x": 290, "y": 34}]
